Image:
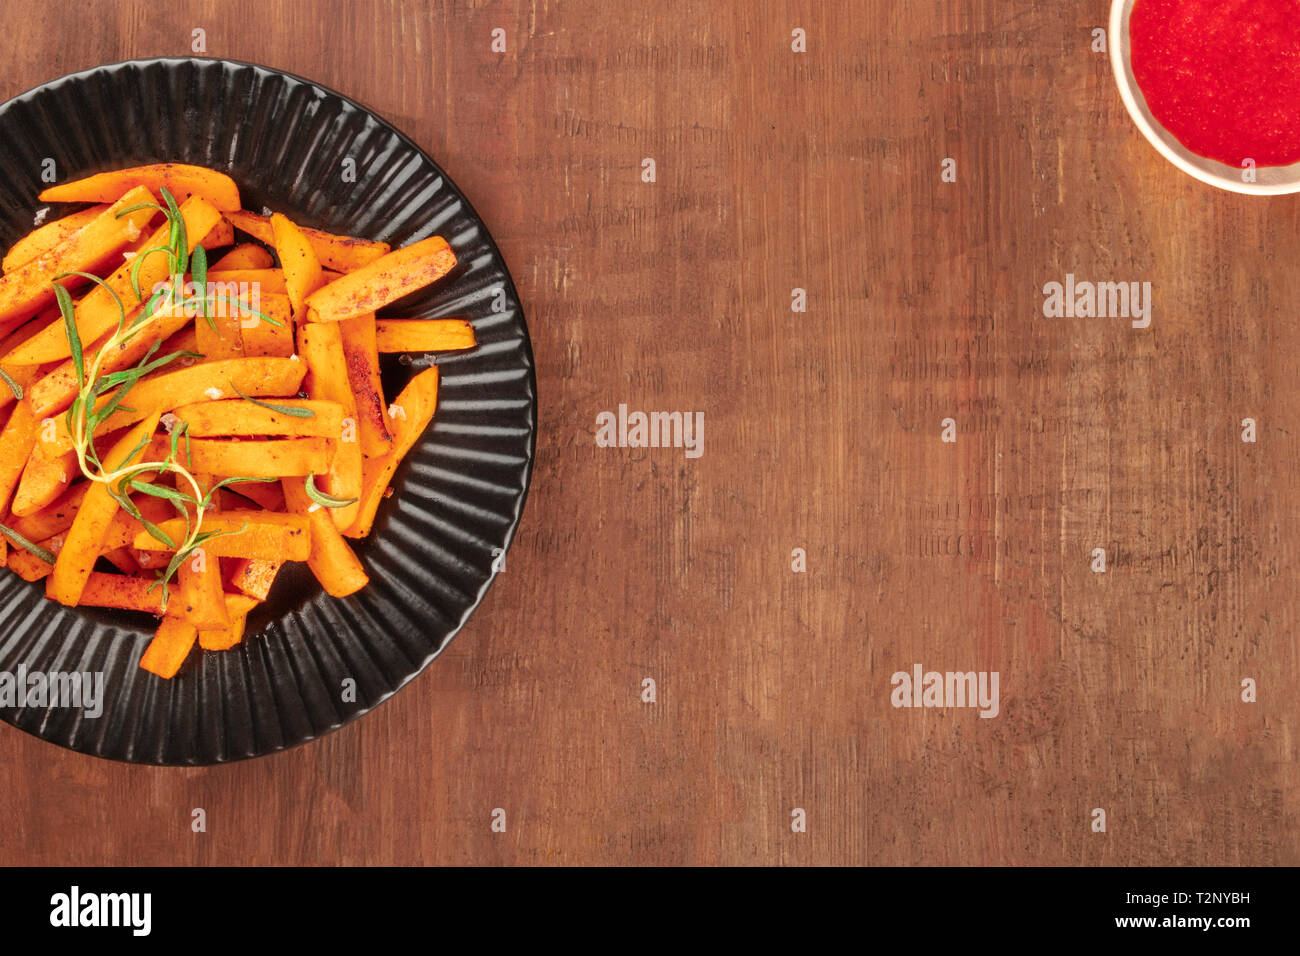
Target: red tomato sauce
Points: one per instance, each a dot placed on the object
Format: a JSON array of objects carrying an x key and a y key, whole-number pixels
[{"x": 1223, "y": 76}]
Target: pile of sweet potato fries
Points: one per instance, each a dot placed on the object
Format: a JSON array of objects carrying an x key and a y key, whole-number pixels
[{"x": 184, "y": 420}]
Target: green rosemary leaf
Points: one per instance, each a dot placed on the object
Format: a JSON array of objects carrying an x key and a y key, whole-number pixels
[
  {"x": 158, "y": 533},
  {"x": 216, "y": 297},
  {"x": 132, "y": 374},
  {"x": 173, "y": 212},
  {"x": 135, "y": 269},
  {"x": 92, "y": 455},
  {"x": 161, "y": 491},
  {"x": 207, "y": 498},
  {"x": 245, "y": 307},
  {"x": 199, "y": 266},
  {"x": 179, "y": 240},
  {"x": 109, "y": 407},
  {"x": 22, "y": 542},
  {"x": 124, "y": 502},
  {"x": 218, "y": 533},
  {"x": 324, "y": 500},
  {"x": 177, "y": 560},
  {"x": 140, "y": 205},
  {"x": 70, "y": 329},
  {"x": 140, "y": 446},
  {"x": 139, "y": 371},
  {"x": 117, "y": 300},
  {"x": 177, "y": 430},
  {"x": 290, "y": 410},
  {"x": 13, "y": 386}
]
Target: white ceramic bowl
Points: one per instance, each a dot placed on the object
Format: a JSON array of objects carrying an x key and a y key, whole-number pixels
[{"x": 1269, "y": 180}]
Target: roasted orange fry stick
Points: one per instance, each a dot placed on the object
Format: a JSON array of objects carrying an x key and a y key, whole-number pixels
[
  {"x": 423, "y": 335},
  {"x": 181, "y": 180},
  {"x": 385, "y": 280}
]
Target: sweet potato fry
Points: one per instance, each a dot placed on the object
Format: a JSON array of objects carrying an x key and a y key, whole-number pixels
[
  {"x": 220, "y": 236},
  {"x": 218, "y": 336},
  {"x": 25, "y": 332},
  {"x": 199, "y": 597},
  {"x": 332, "y": 559},
  {"x": 270, "y": 458},
  {"x": 82, "y": 544},
  {"x": 247, "y": 534},
  {"x": 152, "y": 560},
  {"x": 321, "y": 346},
  {"x": 28, "y": 566},
  {"x": 169, "y": 389},
  {"x": 302, "y": 272},
  {"x": 247, "y": 255},
  {"x": 413, "y": 409},
  {"x": 182, "y": 341},
  {"x": 30, "y": 287},
  {"x": 25, "y": 376},
  {"x": 254, "y": 576},
  {"x": 181, "y": 180},
  {"x": 424, "y": 335},
  {"x": 385, "y": 280},
  {"x": 272, "y": 339},
  {"x": 340, "y": 253},
  {"x": 54, "y": 518},
  {"x": 122, "y": 591},
  {"x": 41, "y": 240},
  {"x": 17, "y": 441},
  {"x": 229, "y": 417},
  {"x": 97, "y": 313},
  {"x": 222, "y": 639},
  {"x": 170, "y": 646},
  {"x": 361, "y": 356},
  {"x": 122, "y": 559},
  {"x": 45, "y": 478}
]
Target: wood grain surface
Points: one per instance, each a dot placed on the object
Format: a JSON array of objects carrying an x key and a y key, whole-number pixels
[{"x": 774, "y": 171}]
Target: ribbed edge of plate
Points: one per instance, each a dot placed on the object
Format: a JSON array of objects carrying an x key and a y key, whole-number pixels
[{"x": 457, "y": 499}]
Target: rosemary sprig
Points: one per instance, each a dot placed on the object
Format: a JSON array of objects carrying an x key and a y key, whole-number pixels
[
  {"x": 292, "y": 411},
  {"x": 22, "y": 542},
  {"x": 86, "y": 413}
]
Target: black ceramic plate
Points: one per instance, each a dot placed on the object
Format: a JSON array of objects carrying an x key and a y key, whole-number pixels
[{"x": 458, "y": 496}]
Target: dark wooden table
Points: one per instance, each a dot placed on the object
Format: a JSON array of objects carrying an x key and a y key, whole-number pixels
[{"x": 776, "y": 171}]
